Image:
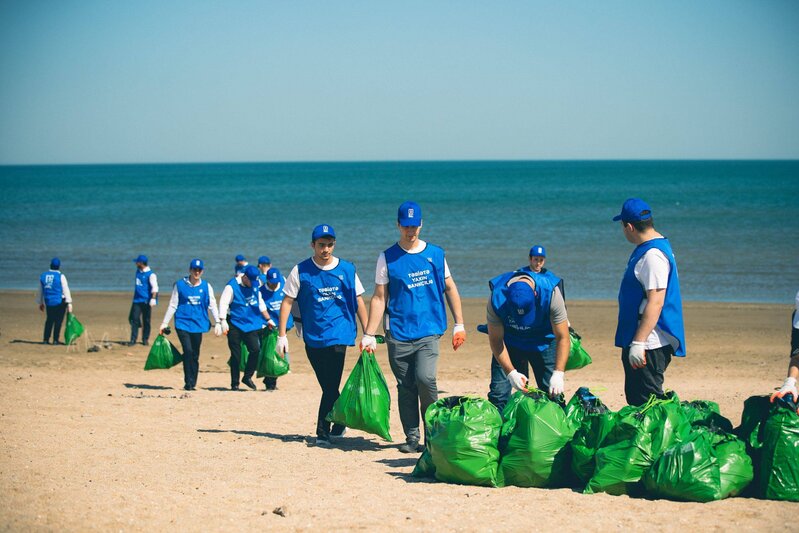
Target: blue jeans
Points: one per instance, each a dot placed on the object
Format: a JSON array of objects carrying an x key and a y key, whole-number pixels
[{"x": 543, "y": 363}]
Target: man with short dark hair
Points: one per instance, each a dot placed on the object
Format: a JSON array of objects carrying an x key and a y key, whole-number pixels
[
  {"x": 145, "y": 297},
  {"x": 650, "y": 325}
]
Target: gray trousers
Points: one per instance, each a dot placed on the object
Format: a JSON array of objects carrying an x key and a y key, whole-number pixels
[{"x": 414, "y": 364}]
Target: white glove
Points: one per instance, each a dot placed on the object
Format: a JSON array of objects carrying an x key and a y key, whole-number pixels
[
  {"x": 368, "y": 343},
  {"x": 556, "y": 383},
  {"x": 69, "y": 308},
  {"x": 271, "y": 324},
  {"x": 637, "y": 355},
  {"x": 517, "y": 380},
  {"x": 162, "y": 328},
  {"x": 218, "y": 329},
  {"x": 282, "y": 345},
  {"x": 225, "y": 327},
  {"x": 152, "y": 302},
  {"x": 788, "y": 387}
]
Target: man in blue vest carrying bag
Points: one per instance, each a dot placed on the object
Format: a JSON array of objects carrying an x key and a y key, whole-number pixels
[
  {"x": 192, "y": 299},
  {"x": 412, "y": 280},
  {"x": 241, "y": 301},
  {"x": 527, "y": 325},
  {"x": 650, "y": 327},
  {"x": 272, "y": 284},
  {"x": 55, "y": 299},
  {"x": 145, "y": 297}
]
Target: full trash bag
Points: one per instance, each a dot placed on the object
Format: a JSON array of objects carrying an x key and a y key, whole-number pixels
[
  {"x": 779, "y": 466},
  {"x": 637, "y": 439},
  {"x": 706, "y": 413},
  {"x": 578, "y": 357},
  {"x": 270, "y": 363},
  {"x": 162, "y": 355},
  {"x": 710, "y": 464},
  {"x": 534, "y": 441},
  {"x": 462, "y": 436},
  {"x": 424, "y": 466},
  {"x": 73, "y": 329},
  {"x": 594, "y": 422},
  {"x": 364, "y": 402}
]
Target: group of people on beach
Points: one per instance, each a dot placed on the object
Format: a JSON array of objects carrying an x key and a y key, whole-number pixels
[{"x": 527, "y": 321}]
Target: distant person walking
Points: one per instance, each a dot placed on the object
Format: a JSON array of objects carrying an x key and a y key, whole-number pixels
[
  {"x": 241, "y": 264},
  {"x": 650, "y": 326},
  {"x": 412, "y": 281},
  {"x": 272, "y": 291},
  {"x": 192, "y": 299},
  {"x": 145, "y": 297},
  {"x": 55, "y": 299}
]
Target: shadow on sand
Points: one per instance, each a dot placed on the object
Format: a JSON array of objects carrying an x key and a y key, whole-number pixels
[{"x": 346, "y": 444}]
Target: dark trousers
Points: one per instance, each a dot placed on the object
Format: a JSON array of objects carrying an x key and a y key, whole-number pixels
[
  {"x": 251, "y": 340},
  {"x": 52, "y": 324},
  {"x": 139, "y": 317},
  {"x": 191, "y": 343},
  {"x": 328, "y": 365},
  {"x": 794, "y": 337},
  {"x": 640, "y": 383},
  {"x": 543, "y": 363}
]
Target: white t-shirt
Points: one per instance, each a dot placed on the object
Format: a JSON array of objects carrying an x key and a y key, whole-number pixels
[
  {"x": 381, "y": 272},
  {"x": 292, "y": 287},
  {"x": 652, "y": 271}
]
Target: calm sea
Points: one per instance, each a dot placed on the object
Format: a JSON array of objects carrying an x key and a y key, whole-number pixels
[{"x": 734, "y": 225}]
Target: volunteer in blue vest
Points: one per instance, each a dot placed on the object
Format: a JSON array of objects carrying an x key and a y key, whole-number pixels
[
  {"x": 538, "y": 258},
  {"x": 527, "y": 325},
  {"x": 789, "y": 385},
  {"x": 650, "y": 328},
  {"x": 241, "y": 264},
  {"x": 242, "y": 303},
  {"x": 412, "y": 280},
  {"x": 192, "y": 299},
  {"x": 328, "y": 293},
  {"x": 272, "y": 284},
  {"x": 55, "y": 299},
  {"x": 145, "y": 294}
]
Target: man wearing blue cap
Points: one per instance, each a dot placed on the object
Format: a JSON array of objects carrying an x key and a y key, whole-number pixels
[
  {"x": 272, "y": 283},
  {"x": 412, "y": 282},
  {"x": 538, "y": 258},
  {"x": 527, "y": 324},
  {"x": 242, "y": 302},
  {"x": 145, "y": 297},
  {"x": 328, "y": 293},
  {"x": 650, "y": 327},
  {"x": 192, "y": 299},
  {"x": 55, "y": 299},
  {"x": 241, "y": 264}
]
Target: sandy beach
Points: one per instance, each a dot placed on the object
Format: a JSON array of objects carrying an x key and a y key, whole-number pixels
[{"x": 91, "y": 442}]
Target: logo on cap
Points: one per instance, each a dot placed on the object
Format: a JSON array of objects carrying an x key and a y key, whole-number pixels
[
  {"x": 325, "y": 228},
  {"x": 410, "y": 212}
]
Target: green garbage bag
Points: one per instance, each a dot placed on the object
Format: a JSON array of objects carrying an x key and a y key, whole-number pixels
[
  {"x": 364, "y": 402},
  {"x": 594, "y": 422},
  {"x": 638, "y": 438},
  {"x": 245, "y": 355},
  {"x": 162, "y": 354},
  {"x": 73, "y": 330},
  {"x": 270, "y": 363},
  {"x": 534, "y": 441},
  {"x": 710, "y": 464},
  {"x": 753, "y": 419},
  {"x": 424, "y": 466},
  {"x": 779, "y": 466},
  {"x": 462, "y": 436},
  {"x": 578, "y": 357},
  {"x": 706, "y": 413}
]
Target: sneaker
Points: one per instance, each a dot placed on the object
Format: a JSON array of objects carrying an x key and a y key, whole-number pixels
[
  {"x": 145, "y": 343},
  {"x": 411, "y": 447},
  {"x": 249, "y": 383},
  {"x": 323, "y": 441},
  {"x": 336, "y": 433},
  {"x": 234, "y": 387}
]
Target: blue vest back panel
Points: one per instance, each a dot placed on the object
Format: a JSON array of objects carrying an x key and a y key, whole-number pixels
[
  {"x": 192, "y": 311},
  {"x": 416, "y": 293},
  {"x": 273, "y": 300},
  {"x": 244, "y": 312},
  {"x": 328, "y": 304},
  {"x": 631, "y": 294},
  {"x": 52, "y": 291},
  {"x": 141, "y": 291},
  {"x": 537, "y": 336},
  {"x": 556, "y": 280}
]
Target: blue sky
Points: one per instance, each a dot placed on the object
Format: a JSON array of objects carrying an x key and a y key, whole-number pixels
[{"x": 153, "y": 81}]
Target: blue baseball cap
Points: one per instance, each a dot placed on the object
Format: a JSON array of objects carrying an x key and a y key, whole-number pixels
[
  {"x": 141, "y": 259},
  {"x": 197, "y": 263},
  {"x": 252, "y": 274},
  {"x": 521, "y": 299},
  {"x": 55, "y": 263},
  {"x": 323, "y": 230},
  {"x": 264, "y": 260},
  {"x": 538, "y": 251},
  {"x": 634, "y": 210},
  {"x": 240, "y": 258},
  {"x": 273, "y": 276},
  {"x": 409, "y": 214}
]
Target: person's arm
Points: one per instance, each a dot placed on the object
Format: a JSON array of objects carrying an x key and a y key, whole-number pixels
[
  {"x": 262, "y": 306},
  {"x": 363, "y": 316},
  {"x": 212, "y": 304},
  {"x": 40, "y": 297},
  {"x": 655, "y": 298},
  {"x": 66, "y": 292},
  {"x": 153, "y": 289},
  {"x": 285, "y": 310},
  {"x": 454, "y": 301},
  {"x": 170, "y": 310},
  {"x": 224, "y": 305},
  {"x": 496, "y": 341}
]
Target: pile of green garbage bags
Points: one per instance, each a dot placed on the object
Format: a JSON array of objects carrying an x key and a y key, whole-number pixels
[{"x": 666, "y": 448}]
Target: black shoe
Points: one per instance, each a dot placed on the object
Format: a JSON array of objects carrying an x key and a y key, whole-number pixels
[
  {"x": 132, "y": 343},
  {"x": 411, "y": 447},
  {"x": 187, "y": 388},
  {"x": 56, "y": 343},
  {"x": 234, "y": 387},
  {"x": 270, "y": 387},
  {"x": 249, "y": 383},
  {"x": 323, "y": 441},
  {"x": 145, "y": 343},
  {"x": 46, "y": 342}
]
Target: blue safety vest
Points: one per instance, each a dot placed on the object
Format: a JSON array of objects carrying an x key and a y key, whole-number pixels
[
  {"x": 416, "y": 293},
  {"x": 539, "y": 334},
  {"x": 52, "y": 291},
  {"x": 556, "y": 280},
  {"x": 273, "y": 300},
  {"x": 631, "y": 294},
  {"x": 244, "y": 312},
  {"x": 192, "y": 311},
  {"x": 141, "y": 291},
  {"x": 328, "y": 304}
]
